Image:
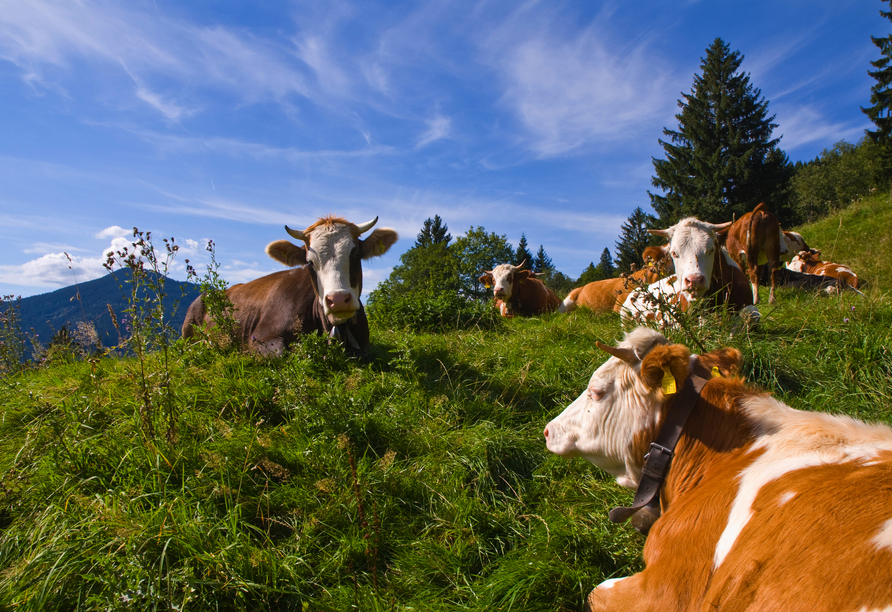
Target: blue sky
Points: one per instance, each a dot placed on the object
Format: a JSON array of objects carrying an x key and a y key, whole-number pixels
[{"x": 227, "y": 120}]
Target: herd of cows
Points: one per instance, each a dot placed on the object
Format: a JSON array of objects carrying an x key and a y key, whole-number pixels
[
  {"x": 747, "y": 503},
  {"x": 718, "y": 262}
]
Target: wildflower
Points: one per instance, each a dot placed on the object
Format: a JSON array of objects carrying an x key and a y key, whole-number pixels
[{"x": 846, "y": 319}]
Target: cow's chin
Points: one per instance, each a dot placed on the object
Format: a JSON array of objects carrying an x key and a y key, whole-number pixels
[{"x": 339, "y": 317}]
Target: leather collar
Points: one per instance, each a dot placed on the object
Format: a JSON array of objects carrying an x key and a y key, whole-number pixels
[{"x": 646, "y": 505}]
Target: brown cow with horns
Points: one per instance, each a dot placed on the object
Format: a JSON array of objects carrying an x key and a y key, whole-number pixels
[
  {"x": 763, "y": 507},
  {"x": 322, "y": 295},
  {"x": 518, "y": 291}
]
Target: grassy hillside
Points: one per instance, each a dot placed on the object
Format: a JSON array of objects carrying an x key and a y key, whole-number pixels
[
  {"x": 416, "y": 479},
  {"x": 859, "y": 236}
]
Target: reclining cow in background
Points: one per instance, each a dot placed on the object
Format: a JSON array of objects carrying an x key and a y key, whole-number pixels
[
  {"x": 320, "y": 296},
  {"x": 809, "y": 262},
  {"x": 756, "y": 239},
  {"x": 703, "y": 271},
  {"x": 761, "y": 507},
  {"x": 609, "y": 294},
  {"x": 518, "y": 291}
]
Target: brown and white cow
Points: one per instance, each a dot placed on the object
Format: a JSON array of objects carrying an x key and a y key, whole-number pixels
[
  {"x": 609, "y": 294},
  {"x": 756, "y": 239},
  {"x": 703, "y": 271},
  {"x": 322, "y": 295},
  {"x": 809, "y": 262},
  {"x": 794, "y": 243},
  {"x": 518, "y": 291},
  {"x": 763, "y": 507}
]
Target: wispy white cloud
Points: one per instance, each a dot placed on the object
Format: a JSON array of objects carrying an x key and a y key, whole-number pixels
[
  {"x": 437, "y": 128},
  {"x": 41, "y": 33},
  {"x": 571, "y": 92},
  {"x": 113, "y": 231},
  {"x": 63, "y": 267},
  {"x": 802, "y": 125}
]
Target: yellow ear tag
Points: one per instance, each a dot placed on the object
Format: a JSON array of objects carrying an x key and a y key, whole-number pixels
[
  {"x": 668, "y": 382},
  {"x": 379, "y": 248},
  {"x": 715, "y": 372},
  {"x": 487, "y": 286}
]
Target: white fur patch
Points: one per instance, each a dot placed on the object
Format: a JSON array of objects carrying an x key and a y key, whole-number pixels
[
  {"x": 608, "y": 584},
  {"x": 794, "y": 440},
  {"x": 883, "y": 538},
  {"x": 786, "y": 497}
]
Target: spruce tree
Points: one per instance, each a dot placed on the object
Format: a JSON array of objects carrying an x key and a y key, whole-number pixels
[
  {"x": 722, "y": 160},
  {"x": 432, "y": 232},
  {"x": 880, "y": 113},
  {"x": 606, "y": 264},
  {"x": 542, "y": 262},
  {"x": 522, "y": 254},
  {"x": 591, "y": 274},
  {"x": 633, "y": 239}
]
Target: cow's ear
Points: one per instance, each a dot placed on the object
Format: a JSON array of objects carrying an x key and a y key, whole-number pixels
[
  {"x": 673, "y": 358},
  {"x": 487, "y": 281},
  {"x": 377, "y": 243},
  {"x": 522, "y": 275},
  {"x": 287, "y": 253},
  {"x": 727, "y": 360}
]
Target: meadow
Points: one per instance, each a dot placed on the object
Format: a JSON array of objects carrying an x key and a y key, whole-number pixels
[{"x": 416, "y": 478}]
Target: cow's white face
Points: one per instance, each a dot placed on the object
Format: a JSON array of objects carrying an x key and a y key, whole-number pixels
[
  {"x": 692, "y": 246},
  {"x": 603, "y": 423},
  {"x": 333, "y": 254},
  {"x": 502, "y": 279},
  {"x": 796, "y": 264}
]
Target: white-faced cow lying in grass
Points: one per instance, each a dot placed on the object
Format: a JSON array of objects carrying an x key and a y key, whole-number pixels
[
  {"x": 763, "y": 507},
  {"x": 518, "y": 291},
  {"x": 322, "y": 295},
  {"x": 703, "y": 271}
]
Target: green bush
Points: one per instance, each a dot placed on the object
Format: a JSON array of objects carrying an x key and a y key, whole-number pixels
[
  {"x": 836, "y": 178},
  {"x": 422, "y": 312}
]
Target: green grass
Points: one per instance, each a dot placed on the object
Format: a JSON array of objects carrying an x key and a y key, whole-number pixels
[{"x": 416, "y": 479}]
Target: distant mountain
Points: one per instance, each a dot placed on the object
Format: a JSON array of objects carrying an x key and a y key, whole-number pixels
[{"x": 47, "y": 313}]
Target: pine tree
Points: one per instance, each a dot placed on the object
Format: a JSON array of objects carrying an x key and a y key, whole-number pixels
[
  {"x": 633, "y": 239},
  {"x": 881, "y": 98},
  {"x": 522, "y": 254},
  {"x": 591, "y": 274},
  {"x": 606, "y": 264},
  {"x": 542, "y": 262},
  {"x": 721, "y": 161},
  {"x": 432, "y": 232}
]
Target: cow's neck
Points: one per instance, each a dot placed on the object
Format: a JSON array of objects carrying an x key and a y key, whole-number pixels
[{"x": 715, "y": 432}]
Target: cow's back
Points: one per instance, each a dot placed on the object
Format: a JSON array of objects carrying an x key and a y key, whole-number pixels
[
  {"x": 531, "y": 297},
  {"x": 278, "y": 305}
]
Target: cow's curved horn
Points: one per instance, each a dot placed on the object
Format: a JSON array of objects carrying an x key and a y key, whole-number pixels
[
  {"x": 626, "y": 354},
  {"x": 296, "y": 233},
  {"x": 520, "y": 265},
  {"x": 487, "y": 271},
  {"x": 659, "y": 232},
  {"x": 717, "y": 227},
  {"x": 364, "y": 227}
]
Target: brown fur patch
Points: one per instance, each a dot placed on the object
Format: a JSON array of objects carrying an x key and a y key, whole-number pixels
[
  {"x": 330, "y": 221},
  {"x": 675, "y": 357},
  {"x": 377, "y": 243},
  {"x": 287, "y": 253}
]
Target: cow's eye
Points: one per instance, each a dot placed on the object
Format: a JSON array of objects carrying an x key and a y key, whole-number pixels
[
  {"x": 596, "y": 394},
  {"x": 310, "y": 263},
  {"x": 674, "y": 254}
]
